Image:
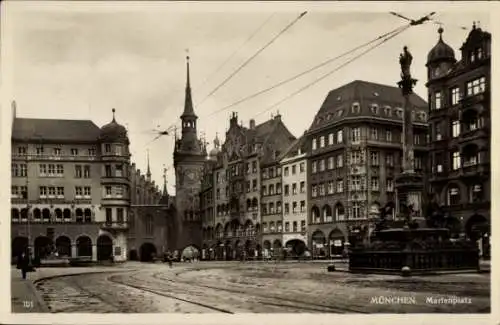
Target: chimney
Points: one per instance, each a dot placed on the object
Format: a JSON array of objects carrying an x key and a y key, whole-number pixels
[
  {"x": 252, "y": 124},
  {"x": 233, "y": 120},
  {"x": 278, "y": 116}
]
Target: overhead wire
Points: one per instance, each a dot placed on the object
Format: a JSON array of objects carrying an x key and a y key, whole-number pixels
[
  {"x": 290, "y": 79},
  {"x": 219, "y": 68},
  {"x": 244, "y": 64},
  {"x": 387, "y": 38}
]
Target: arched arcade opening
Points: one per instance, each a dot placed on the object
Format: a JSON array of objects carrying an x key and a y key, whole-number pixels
[{"x": 147, "y": 252}]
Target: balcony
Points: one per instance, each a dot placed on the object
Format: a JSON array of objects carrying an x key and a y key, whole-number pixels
[
  {"x": 114, "y": 225},
  {"x": 34, "y": 157}
]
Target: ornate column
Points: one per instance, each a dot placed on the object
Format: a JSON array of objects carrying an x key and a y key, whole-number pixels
[
  {"x": 409, "y": 184},
  {"x": 74, "y": 251},
  {"x": 94, "y": 252}
]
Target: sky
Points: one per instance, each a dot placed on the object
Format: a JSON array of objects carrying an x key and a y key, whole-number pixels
[{"x": 80, "y": 61}]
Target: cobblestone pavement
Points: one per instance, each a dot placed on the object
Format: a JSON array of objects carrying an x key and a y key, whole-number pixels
[{"x": 235, "y": 287}]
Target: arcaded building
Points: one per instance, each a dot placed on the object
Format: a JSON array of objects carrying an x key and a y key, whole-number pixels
[
  {"x": 460, "y": 133},
  {"x": 70, "y": 188},
  {"x": 246, "y": 190},
  {"x": 354, "y": 155}
]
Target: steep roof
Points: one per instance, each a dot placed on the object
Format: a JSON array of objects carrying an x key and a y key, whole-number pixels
[
  {"x": 293, "y": 148},
  {"x": 338, "y": 102},
  {"x": 55, "y": 130},
  {"x": 278, "y": 139}
]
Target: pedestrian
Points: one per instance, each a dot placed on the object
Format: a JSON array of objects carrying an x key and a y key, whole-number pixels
[{"x": 24, "y": 265}]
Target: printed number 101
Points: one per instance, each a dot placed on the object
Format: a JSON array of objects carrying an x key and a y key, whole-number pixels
[{"x": 28, "y": 304}]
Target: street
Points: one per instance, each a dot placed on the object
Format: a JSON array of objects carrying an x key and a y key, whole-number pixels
[{"x": 211, "y": 287}]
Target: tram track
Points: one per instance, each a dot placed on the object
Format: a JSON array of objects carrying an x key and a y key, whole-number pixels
[{"x": 269, "y": 299}]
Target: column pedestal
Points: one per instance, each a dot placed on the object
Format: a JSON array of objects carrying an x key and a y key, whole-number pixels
[{"x": 409, "y": 189}]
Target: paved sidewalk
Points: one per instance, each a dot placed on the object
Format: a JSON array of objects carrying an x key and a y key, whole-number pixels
[{"x": 26, "y": 299}]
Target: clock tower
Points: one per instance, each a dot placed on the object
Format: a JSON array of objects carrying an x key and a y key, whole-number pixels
[{"x": 189, "y": 160}]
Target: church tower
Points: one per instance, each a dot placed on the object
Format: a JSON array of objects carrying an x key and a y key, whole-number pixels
[{"x": 189, "y": 159}]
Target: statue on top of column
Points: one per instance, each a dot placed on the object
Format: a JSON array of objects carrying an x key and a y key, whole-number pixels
[{"x": 405, "y": 59}]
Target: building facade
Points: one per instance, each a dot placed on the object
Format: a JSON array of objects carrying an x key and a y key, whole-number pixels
[
  {"x": 295, "y": 190},
  {"x": 354, "y": 154},
  {"x": 70, "y": 188},
  {"x": 460, "y": 122},
  {"x": 245, "y": 164},
  {"x": 151, "y": 212}
]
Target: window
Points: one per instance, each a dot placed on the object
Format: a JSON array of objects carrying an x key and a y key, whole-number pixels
[
  {"x": 330, "y": 162},
  {"x": 57, "y": 152},
  {"x": 375, "y": 184},
  {"x": 355, "y": 108},
  {"x": 355, "y": 134},
  {"x": 302, "y": 167},
  {"x": 278, "y": 207},
  {"x": 294, "y": 188},
  {"x": 303, "y": 225},
  {"x": 278, "y": 188},
  {"x": 322, "y": 165},
  {"x": 264, "y": 190},
  {"x": 118, "y": 150},
  {"x": 14, "y": 191},
  {"x": 356, "y": 210},
  {"x": 91, "y": 152},
  {"x": 287, "y": 190},
  {"x": 356, "y": 157},
  {"x": 39, "y": 151},
  {"x": 340, "y": 136},
  {"x": 78, "y": 192},
  {"x": 374, "y": 133},
  {"x": 322, "y": 141},
  {"x": 418, "y": 163},
  {"x": 271, "y": 208},
  {"x": 294, "y": 229},
  {"x": 340, "y": 161},
  {"x": 453, "y": 196},
  {"x": 476, "y": 86},
  {"x": 399, "y": 112},
  {"x": 437, "y": 132},
  {"x": 455, "y": 95},
  {"x": 287, "y": 226},
  {"x": 109, "y": 215},
  {"x": 437, "y": 100},
  {"x": 87, "y": 191},
  {"x": 388, "y": 111},
  {"x": 388, "y": 135},
  {"x": 302, "y": 206},
  {"x": 21, "y": 151},
  {"x": 119, "y": 191},
  {"x": 60, "y": 192},
  {"x": 107, "y": 148},
  {"x": 278, "y": 171},
  {"x": 456, "y": 160},
  {"x": 108, "y": 191},
  {"x": 60, "y": 170},
  {"x": 119, "y": 215},
  {"x": 254, "y": 166},
  {"x": 356, "y": 183},
  {"x": 340, "y": 186},
  {"x": 248, "y": 186},
  {"x": 52, "y": 170},
  {"x": 43, "y": 191},
  {"x": 330, "y": 139},
  {"x": 286, "y": 171},
  {"x": 321, "y": 189},
  {"x": 107, "y": 170},
  {"x": 374, "y": 158},
  {"x": 294, "y": 207},
  {"x": 74, "y": 152},
  {"x": 390, "y": 185},
  {"x": 302, "y": 187},
  {"x": 416, "y": 139},
  {"x": 314, "y": 191},
  {"x": 314, "y": 165},
  {"x": 294, "y": 169},
  {"x": 271, "y": 172},
  {"x": 374, "y": 108},
  {"x": 86, "y": 171},
  {"x": 313, "y": 144},
  {"x": 455, "y": 128},
  {"x": 271, "y": 189},
  {"x": 78, "y": 171},
  {"x": 389, "y": 159},
  {"x": 331, "y": 188},
  {"x": 217, "y": 194},
  {"x": 287, "y": 208}
]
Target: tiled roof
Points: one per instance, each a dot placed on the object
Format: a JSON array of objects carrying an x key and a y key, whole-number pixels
[
  {"x": 338, "y": 102},
  {"x": 55, "y": 130},
  {"x": 293, "y": 148}
]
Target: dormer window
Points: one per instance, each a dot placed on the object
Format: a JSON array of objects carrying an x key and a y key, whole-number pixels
[
  {"x": 329, "y": 116},
  {"x": 374, "y": 108},
  {"x": 387, "y": 110},
  {"x": 355, "y": 108},
  {"x": 479, "y": 53},
  {"x": 339, "y": 98},
  {"x": 340, "y": 112},
  {"x": 375, "y": 94},
  {"x": 399, "y": 112}
]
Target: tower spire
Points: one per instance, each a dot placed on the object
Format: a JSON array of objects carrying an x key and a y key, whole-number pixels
[
  {"x": 148, "y": 173},
  {"x": 188, "y": 103}
]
